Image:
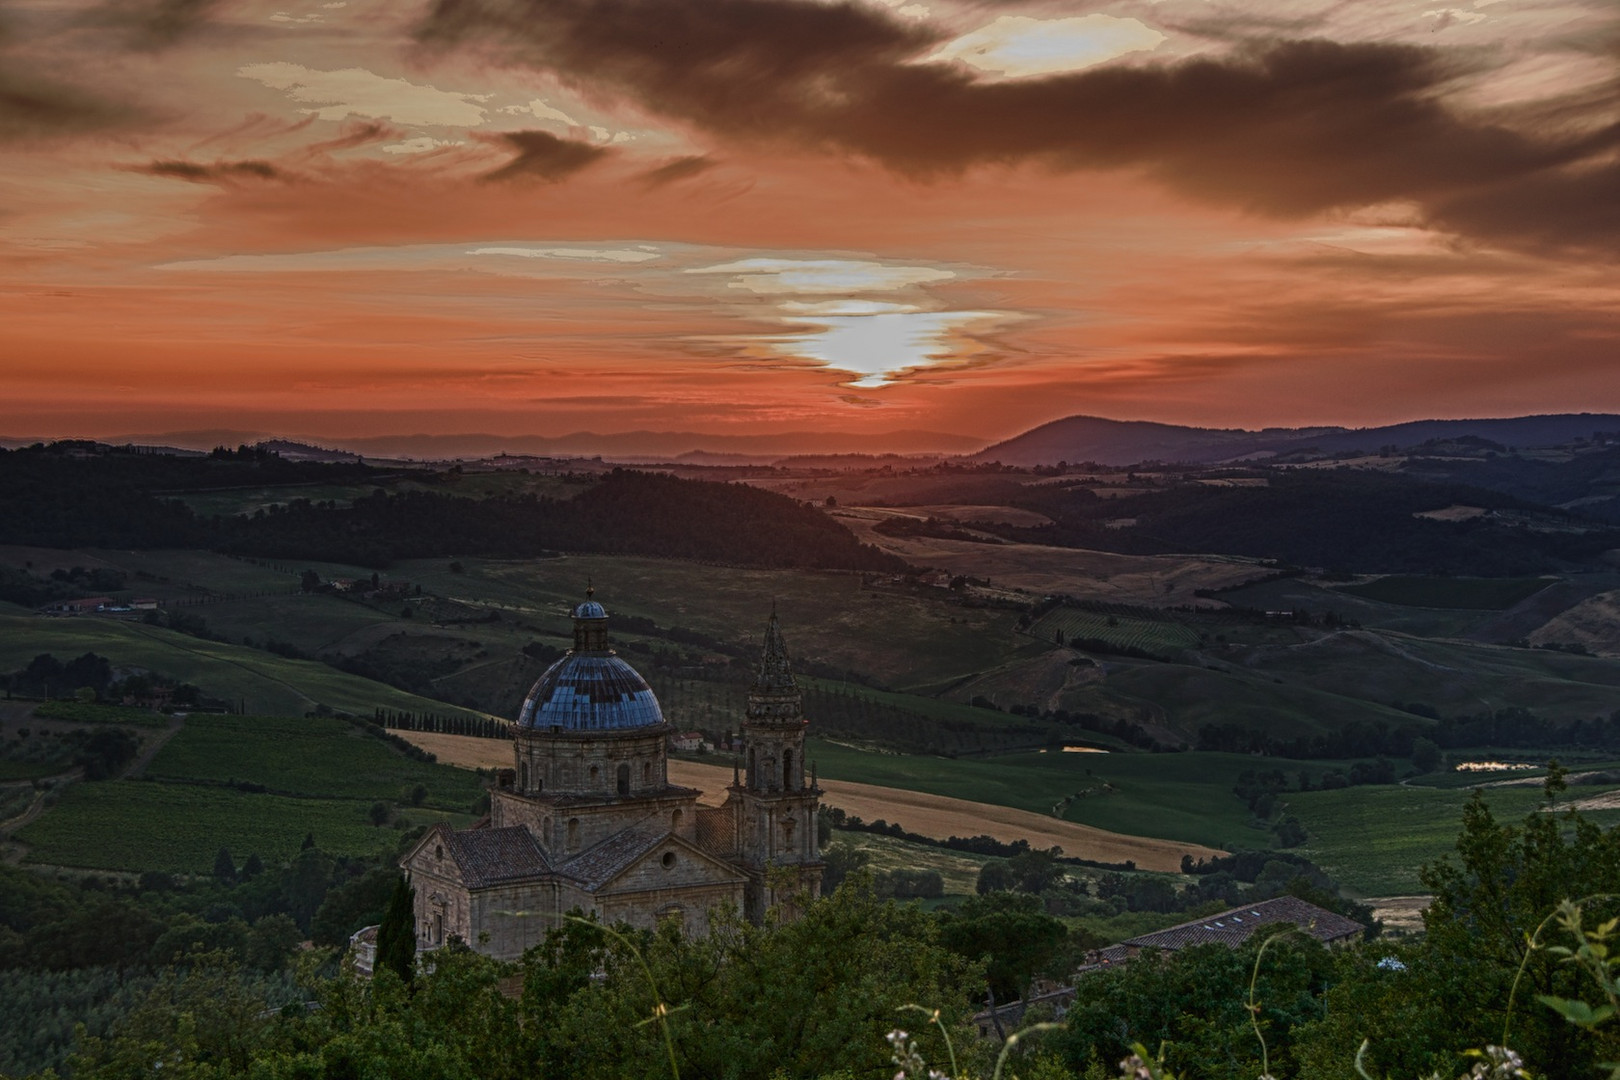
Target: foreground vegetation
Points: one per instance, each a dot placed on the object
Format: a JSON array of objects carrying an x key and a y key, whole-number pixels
[{"x": 817, "y": 997}]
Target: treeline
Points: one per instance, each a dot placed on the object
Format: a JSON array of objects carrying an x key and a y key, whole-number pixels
[
  {"x": 627, "y": 513},
  {"x": 1345, "y": 520},
  {"x": 483, "y": 727},
  {"x": 69, "y": 946},
  {"x": 122, "y": 500},
  {"x": 90, "y": 676},
  {"x": 1221, "y": 885}
]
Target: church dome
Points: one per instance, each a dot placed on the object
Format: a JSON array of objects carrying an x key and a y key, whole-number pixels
[{"x": 590, "y": 689}]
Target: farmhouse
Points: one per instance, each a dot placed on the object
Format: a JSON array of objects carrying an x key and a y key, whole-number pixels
[
  {"x": 87, "y": 606},
  {"x": 1233, "y": 928},
  {"x": 587, "y": 818}
]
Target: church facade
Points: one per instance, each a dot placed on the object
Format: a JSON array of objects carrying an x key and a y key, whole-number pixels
[{"x": 587, "y": 818}]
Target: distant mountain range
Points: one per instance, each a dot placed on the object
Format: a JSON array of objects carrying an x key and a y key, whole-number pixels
[
  {"x": 1128, "y": 442},
  {"x": 1074, "y": 439},
  {"x": 629, "y": 446}
]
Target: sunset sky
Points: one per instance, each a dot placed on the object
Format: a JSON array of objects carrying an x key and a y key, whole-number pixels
[{"x": 360, "y": 217}]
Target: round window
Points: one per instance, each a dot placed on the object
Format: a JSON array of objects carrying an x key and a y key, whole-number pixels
[{"x": 669, "y": 860}]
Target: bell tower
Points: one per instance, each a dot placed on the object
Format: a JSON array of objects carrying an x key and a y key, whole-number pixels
[{"x": 775, "y": 807}]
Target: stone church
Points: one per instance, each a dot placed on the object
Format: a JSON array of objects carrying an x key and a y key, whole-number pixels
[{"x": 588, "y": 819}]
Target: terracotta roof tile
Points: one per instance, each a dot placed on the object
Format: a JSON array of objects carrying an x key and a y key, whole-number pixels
[
  {"x": 596, "y": 866},
  {"x": 491, "y": 856}
]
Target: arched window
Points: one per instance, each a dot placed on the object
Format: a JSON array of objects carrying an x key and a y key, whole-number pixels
[
  {"x": 525, "y": 770},
  {"x": 595, "y": 775},
  {"x": 646, "y": 773},
  {"x": 624, "y": 779},
  {"x": 674, "y": 820},
  {"x": 573, "y": 833},
  {"x": 787, "y": 770}
]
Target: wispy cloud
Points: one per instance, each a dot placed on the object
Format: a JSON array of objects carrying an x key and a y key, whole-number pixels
[{"x": 358, "y": 92}]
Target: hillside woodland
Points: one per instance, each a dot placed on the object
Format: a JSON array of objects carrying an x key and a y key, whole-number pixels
[{"x": 104, "y": 497}]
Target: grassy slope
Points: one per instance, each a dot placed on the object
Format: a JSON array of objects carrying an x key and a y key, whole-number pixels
[
  {"x": 1456, "y": 677},
  {"x": 1374, "y": 839},
  {"x": 324, "y": 777},
  {"x": 1476, "y": 594},
  {"x": 134, "y": 825},
  {"x": 267, "y": 683},
  {"x": 904, "y": 640},
  {"x": 1159, "y": 635},
  {"x": 1185, "y": 698},
  {"x": 1295, "y": 594}
]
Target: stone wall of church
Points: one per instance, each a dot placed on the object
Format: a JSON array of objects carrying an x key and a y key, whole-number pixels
[
  {"x": 441, "y": 906},
  {"x": 694, "y": 906},
  {"x": 775, "y": 758},
  {"x": 779, "y": 828},
  {"x": 515, "y": 917},
  {"x": 592, "y": 763}
]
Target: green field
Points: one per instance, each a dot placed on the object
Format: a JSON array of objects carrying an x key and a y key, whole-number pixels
[
  {"x": 142, "y": 825},
  {"x": 264, "y": 682},
  {"x": 1474, "y": 594},
  {"x": 323, "y": 776},
  {"x": 306, "y": 757},
  {"x": 1173, "y": 796},
  {"x": 1374, "y": 839},
  {"x": 1160, "y": 637}
]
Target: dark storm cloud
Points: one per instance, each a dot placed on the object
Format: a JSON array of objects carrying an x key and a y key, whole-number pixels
[
  {"x": 152, "y": 24},
  {"x": 36, "y": 108},
  {"x": 216, "y": 173},
  {"x": 543, "y": 156},
  {"x": 682, "y": 168},
  {"x": 1287, "y": 127}
]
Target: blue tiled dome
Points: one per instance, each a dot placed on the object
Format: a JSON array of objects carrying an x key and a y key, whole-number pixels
[
  {"x": 590, "y": 689},
  {"x": 590, "y": 693}
]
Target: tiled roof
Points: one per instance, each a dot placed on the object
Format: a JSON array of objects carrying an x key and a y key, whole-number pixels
[
  {"x": 1234, "y": 927},
  {"x": 491, "y": 856},
  {"x": 597, "y": 866},
  {"x": 717, "y": 830}
]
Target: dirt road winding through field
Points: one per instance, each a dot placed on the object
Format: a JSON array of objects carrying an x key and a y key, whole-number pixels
[{"x": 932, "y": 815}]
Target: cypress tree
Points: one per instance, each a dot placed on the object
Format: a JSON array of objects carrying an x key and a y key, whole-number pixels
[{"x": 396, "y": 935}]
